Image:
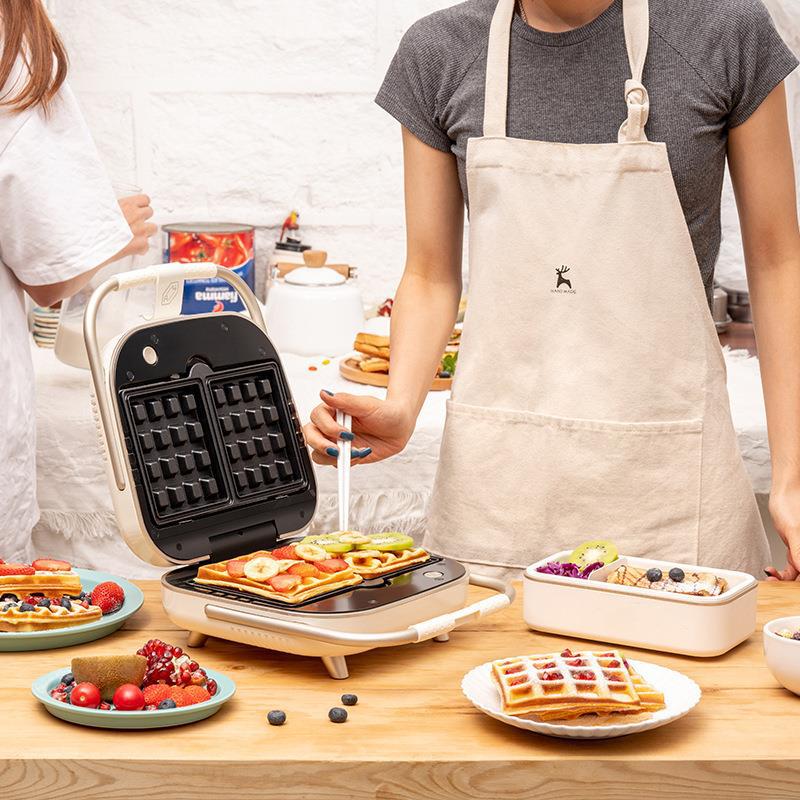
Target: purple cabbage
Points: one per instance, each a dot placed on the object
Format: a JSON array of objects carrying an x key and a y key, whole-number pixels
[{"x": 569, "y": 570}]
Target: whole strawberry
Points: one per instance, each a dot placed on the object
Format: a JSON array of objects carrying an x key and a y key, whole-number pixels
[{"x": 109, "y": 596}]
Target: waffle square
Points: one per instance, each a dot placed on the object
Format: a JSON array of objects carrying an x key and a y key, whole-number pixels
[
  {"x": 696, "y": 584},
  {"x": 308, "y": 587},
  {"x": 566, "y": 685},
  {"x": 51, "y": 584},
  {"x": 42, "y": 618},
  {"x": 374, "y": 563}
]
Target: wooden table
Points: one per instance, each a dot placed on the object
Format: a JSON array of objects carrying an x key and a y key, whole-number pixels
[{"x": 412, "y": 735}]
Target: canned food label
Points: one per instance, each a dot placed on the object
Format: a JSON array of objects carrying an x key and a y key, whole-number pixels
[{"x": 236, "y": 251}]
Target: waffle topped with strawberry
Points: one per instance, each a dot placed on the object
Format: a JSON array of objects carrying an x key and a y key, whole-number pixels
[
  {"x": 46, "y": 576},
  {"x": 291, "y": 574}
]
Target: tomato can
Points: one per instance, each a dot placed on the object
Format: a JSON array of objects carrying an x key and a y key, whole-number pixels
[{"x": 226, "y": 244}]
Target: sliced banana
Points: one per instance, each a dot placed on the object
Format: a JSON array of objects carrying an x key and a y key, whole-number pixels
[
  {"x": 261, "y": 569},
  {"x": 353, "y": 538},
  {"x": 310, "y": 551},
  {"x": 285, "y": 563}
]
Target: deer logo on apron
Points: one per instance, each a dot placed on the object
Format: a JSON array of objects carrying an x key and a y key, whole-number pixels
[{"x": 598, "y": 412}]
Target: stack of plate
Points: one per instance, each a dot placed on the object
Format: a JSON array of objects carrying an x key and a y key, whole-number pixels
[{"x": 44, "y": 326}]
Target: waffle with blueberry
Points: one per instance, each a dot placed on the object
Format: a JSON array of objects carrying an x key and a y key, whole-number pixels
[
  {"x": 43, "y": 614},
  {"x": 567, "y": 685},
  {"x": 676, "y": 580}
]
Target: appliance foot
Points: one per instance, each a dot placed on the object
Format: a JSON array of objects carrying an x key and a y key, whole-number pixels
[
  {"x": 442, "y": 637},
  {"x": 336, "y": 666},
  {"x": 197, "y": 639}
]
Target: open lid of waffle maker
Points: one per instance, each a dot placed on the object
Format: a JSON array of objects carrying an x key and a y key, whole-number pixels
[
  {"x": 201, "y": 430},
  {"x": 207, "y": 462}
]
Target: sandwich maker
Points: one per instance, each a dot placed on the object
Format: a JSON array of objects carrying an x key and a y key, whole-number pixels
[{"x": 207, "y": 462}]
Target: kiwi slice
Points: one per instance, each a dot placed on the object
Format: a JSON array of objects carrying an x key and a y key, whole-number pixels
[
  {"x": 592, "y": 552},
  {"x": 387, "y": 541},
  {"x": 330, "y": 542}
]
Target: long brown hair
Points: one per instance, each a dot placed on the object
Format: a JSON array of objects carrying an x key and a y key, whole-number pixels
[{"x": 27, "y": 32}]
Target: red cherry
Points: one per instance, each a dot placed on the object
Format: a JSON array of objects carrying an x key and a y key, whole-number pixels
[
  {"x": 85, "y": 695},
  {"x": 128, "y": 697}
]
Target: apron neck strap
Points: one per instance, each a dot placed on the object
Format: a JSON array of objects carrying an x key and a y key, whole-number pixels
[{"x": 636, "y": 14}]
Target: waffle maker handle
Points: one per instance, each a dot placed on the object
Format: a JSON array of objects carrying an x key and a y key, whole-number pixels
[
  {"x": 171, "y": 278},
  {"x": 420, "y": 632}
]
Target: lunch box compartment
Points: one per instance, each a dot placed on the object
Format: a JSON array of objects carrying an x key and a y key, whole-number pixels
[{"x": 646, "y": 618}]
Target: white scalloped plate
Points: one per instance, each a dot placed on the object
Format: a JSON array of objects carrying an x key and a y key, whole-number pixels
[{"x": 681, "y": 695}]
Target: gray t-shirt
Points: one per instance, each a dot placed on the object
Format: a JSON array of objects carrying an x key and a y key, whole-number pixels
[{"x": 710, "y": 65}]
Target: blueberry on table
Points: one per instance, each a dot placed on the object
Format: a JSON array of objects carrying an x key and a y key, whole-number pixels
[
  {"x": 349, "y": 699},
  {"x": 276, "y": 717},
  {"x": 337, "y": 715},
  {"x": 654, "y": 574},
  {"x": 677, "y": 574}
]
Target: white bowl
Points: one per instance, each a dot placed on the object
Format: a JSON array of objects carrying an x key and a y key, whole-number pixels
[{"x": 783, "y": 655}]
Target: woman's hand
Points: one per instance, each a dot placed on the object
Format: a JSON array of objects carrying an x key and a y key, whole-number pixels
[
  {"x": 137, "y": 211},
  {"x": 381, "y": 428},
  {"x": 784, "y": 506}
]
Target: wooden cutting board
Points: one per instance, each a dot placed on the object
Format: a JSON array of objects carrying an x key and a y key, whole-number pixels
[{"x": 349, "y": 369}]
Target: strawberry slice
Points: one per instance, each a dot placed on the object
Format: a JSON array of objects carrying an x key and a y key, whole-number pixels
[
  {"x": 285, "y": 553},
  {"x": 51, "y": 565},
  {"x": 284, "y": 582},
  {"x": 235, "y": 568},
  {"x": 304, "y": 570},
  {"x": 331, "y": 565},
  {"x": 16, "y": 569}
]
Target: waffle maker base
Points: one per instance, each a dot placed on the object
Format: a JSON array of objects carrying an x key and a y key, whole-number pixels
[{"x": 380, "y": 606}]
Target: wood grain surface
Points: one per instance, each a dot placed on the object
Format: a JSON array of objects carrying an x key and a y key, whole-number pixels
[{"x": 412, "y": 735}]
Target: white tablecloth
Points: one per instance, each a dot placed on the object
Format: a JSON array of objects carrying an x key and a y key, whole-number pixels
[{"x": 77, "y": 520}]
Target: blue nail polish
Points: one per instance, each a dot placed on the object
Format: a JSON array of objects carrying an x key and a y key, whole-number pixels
[
  {"x": 362, "y": 453},
  {"x": 326, "y": 391},
  {"x": 333, "y": 452},
  {"x": 347, "y": 436}
]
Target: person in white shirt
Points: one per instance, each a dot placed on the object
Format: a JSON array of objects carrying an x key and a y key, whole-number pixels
[{"x": 59, "y": 224}]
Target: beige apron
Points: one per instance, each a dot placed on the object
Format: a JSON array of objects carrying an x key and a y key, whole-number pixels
[{"x": 590, "y": 399}]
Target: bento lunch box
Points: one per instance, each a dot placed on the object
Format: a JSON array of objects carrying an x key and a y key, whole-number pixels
[{"x": 647, "y": 618}]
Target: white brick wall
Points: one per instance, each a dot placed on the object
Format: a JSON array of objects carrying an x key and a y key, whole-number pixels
[{"x": 239, "y": 110}]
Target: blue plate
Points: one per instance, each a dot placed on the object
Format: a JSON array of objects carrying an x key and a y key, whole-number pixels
[
  {"x": 66, "y": 637},
  {"x": 131, "y": 720}
]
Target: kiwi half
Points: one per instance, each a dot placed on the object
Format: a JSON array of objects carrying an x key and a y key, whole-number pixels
[
  {"x": 107, "y": 673},
  {"x": 330, "y": 542},
  {"x": 592, "y": 552}
]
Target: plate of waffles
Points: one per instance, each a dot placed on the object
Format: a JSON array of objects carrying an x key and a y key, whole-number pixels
[
  {"x": 49, "y": 604},
  {"x": 581, "y": 695},
  {"x": 297, "y": 572}
]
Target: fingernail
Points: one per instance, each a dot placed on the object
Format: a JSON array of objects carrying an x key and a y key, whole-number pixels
[
  {"x": 362, "y": 453},
  {"x": 333, "y": 452},
  {"x": 328, "y": 392},
  {"x": 347, "y": 436}
]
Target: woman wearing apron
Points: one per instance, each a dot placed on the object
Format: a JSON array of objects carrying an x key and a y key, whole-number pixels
[{"x": 590, "y": 397}]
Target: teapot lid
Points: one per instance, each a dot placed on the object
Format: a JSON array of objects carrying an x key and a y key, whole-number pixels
[{"x": 315, "y": 276}]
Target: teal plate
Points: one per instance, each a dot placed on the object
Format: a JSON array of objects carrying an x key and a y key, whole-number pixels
[
  {"x": 131, "y": 720},
  {"x": 66, "y": 637}
]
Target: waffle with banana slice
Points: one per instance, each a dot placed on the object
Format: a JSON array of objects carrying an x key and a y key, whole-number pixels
[
  {"x": 291, "y": 574},
  {"x": 373, "y": 555}
]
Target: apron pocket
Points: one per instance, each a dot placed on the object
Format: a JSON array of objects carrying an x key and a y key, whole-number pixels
[{"x": 514, "y": 486}]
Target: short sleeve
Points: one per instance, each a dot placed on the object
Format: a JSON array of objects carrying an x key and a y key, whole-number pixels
[
  {"x": 59, "y": 216},
  {"x": 409, "y": 90},
  {"x": 759, "y": 60}
]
